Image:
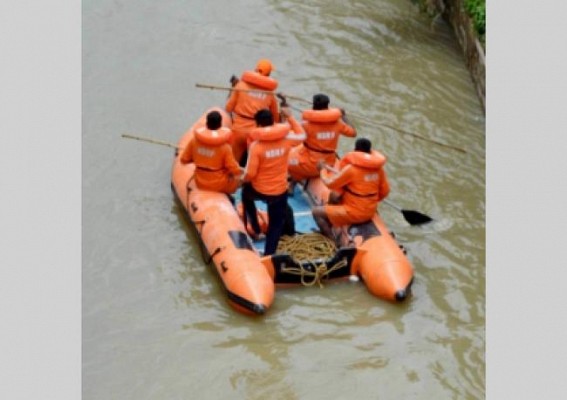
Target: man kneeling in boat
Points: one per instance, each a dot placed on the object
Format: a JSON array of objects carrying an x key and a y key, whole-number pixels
[
  {"x": 266, "y": 173},
  {"x": 356, "y": 188},
  {"x": 323, "y": 127},
  {"x": 216, "y": 168}
]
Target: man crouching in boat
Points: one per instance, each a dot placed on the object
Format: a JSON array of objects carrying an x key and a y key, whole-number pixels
[
  {"x": 265, "y": 175},
  {"x": 323, "y": 127},
  {"x": 357, "y": 187},
  {"x": 216, "y": 168}
]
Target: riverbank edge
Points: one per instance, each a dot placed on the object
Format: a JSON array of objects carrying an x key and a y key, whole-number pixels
[{"x": 454, "y": 12}]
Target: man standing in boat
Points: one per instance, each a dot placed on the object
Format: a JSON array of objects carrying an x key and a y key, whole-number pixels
[
  {"x": 265, "y": 175},
  {"x": 356, "y": 188},
  {"x": 216, "y": 168},
  {"x": 251, "y": 93},
  {"x": 323, "y": 126}
]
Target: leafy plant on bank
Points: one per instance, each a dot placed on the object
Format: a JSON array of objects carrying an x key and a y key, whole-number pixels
[{"x": 477, "y": 11}]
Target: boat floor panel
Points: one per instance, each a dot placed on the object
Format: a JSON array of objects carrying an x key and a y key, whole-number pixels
[{"x": 299, "y": 203}]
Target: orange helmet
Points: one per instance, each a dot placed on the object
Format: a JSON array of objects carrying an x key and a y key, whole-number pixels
[{"x": 264, "y": 67}]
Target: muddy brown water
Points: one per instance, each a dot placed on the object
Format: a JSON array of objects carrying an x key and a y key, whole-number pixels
[{"x": 155, "y": 322}]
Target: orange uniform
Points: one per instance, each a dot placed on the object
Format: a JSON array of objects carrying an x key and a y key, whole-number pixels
[
  {"x": 244, "y": 104},
  {"x": 266, "y": 178},
  {"x": 266, "y": 168},
  {"x": 362, "y": 182},
  {"x": 323, "y": 129},
  {"x": 216, "y": 168}
]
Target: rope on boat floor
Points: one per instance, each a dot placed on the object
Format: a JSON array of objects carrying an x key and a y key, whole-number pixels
[{"x": 308, "y": 248}]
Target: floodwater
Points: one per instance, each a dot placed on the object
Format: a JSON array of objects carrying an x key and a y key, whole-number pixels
[{"x": 156, "y": 324}]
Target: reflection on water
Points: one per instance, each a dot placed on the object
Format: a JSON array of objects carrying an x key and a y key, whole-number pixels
[{"x": 156, "y": 323}]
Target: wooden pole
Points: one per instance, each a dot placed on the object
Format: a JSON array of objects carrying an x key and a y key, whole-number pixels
[{"x": 125, "y": 135}]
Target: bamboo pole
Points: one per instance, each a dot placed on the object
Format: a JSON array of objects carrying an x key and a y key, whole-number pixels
[
  {"x": 356, "y": 116},
  {"x": 127, "y": 136}
]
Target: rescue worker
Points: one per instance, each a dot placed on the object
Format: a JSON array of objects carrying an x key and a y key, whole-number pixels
[
  {"x": 357, "y": 187},
  {"x": 265, "y": 176},
  {"x": 323, "y": 126},
  {"x": 216, "y": 168},
  {"x": 243, "y": 103}
]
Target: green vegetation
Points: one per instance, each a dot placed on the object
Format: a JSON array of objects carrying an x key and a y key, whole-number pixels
[{"x": 477, "y": 11}]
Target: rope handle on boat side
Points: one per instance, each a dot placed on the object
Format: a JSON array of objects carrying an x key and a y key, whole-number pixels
[
  {"x": 202, "y": 244},
  {"x": 217, "y": 251},
  {"x": 188, "y": 188}
]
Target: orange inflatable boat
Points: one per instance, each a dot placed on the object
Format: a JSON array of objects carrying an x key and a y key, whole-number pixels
[{"x": 369, "y": 251}]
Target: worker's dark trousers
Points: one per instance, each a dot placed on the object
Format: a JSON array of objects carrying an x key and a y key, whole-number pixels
[{"x": 279, "y": 215}]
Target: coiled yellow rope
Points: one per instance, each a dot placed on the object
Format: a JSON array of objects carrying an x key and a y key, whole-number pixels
[{"x": 308, "y": 248}]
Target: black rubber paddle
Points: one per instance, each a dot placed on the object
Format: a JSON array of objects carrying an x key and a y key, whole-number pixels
[{"x": 411, "y": 216}]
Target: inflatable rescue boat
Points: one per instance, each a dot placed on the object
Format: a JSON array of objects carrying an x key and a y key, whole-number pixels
[{"x": 367, "y": 250}]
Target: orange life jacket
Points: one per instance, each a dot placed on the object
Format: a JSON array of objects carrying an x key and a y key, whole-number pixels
[
  {"x": 323, "y": 128},
  {"x": 373, "y": 160},
  {"x": 202, "y": 121},
  {"x": 259, "y": 80},
  {"x": 213, "y": 137},
  {"x": 244, "y": 104},
  {"x": 266, "y": 168},
  {"x": 362, "y": 180},
  {"x": 212, "y": 156},
  {"x": 322, "y": 116},
  {"x": 270, "y": 133}
]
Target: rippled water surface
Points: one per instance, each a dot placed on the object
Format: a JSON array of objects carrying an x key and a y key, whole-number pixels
[{"x": 156, "y": 324}]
